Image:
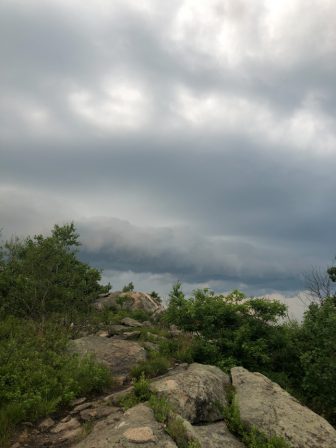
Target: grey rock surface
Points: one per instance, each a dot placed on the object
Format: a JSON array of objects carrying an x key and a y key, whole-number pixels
[
  {"x": 136, "y": 427},
  {"x": 216, "y": 435},
  {"x": 129, "y": 322},
  {"x": 273, "y": 411},
  {"x": 119, "y": 355},
  {"x": 133, "y": 300},
  {"x": 195, "y": 392},
  {"x": 211, "y": 435}
]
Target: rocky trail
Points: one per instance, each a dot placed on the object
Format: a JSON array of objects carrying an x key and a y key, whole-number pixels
[{"x": 196, "y": 393}]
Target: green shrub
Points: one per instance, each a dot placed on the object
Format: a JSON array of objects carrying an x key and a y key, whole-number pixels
[
  {"x": 42, "y": 275},
  {"x": 318, "y": 358},
  {"x": 235, "y": 330},
  {"x": 179, "y": 348},
  {"x": 142, "y": 389},
  {"x": 128, "y": 288},
  {"x": 205, "y": 351},
  {"x": 177, "y": 431},
  {"x": 38, "y": 374},
  {"x": 161, "y": 408},
  {"x": 141, "y": 392},
  {"x": 154, "y": 295},
  {"x": 152, "y": 367}
]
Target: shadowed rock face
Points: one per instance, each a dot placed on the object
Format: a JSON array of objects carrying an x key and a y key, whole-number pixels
[
  {"x": 134, "y": 300},
  {"x": 195, "y": 392},
  {"x": 119, "y": 355},
  {"x": 272, "y": 410},
  {"x": 137, "y": 427}
]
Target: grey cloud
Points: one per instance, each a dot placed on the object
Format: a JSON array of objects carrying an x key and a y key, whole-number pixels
[
  {"x": 185, "y": 254},
  {"x": 241, "y": 190},
  {"x": 47, "y": 53},
  {"x": 255, "y": 211}
]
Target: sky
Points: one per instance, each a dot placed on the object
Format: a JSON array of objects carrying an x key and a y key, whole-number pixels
[{"x": 191, "y": 141}]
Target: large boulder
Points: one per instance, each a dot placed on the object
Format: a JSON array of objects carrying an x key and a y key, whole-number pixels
[
  {"x": 137, "y": 427},
  {"x": 119, "y": 355},
  {"x": 272, "y": 410},
  {"x": 133, "y": 300},
  {"x": 196, "y": 392}
]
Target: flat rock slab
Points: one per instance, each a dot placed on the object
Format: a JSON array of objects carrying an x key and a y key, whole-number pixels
[
  {"x": 216, "y": 435},
  {"x": 196, "y": 392},
  {"x": 117, "y": 329},
  {"x": 211, "y": 435},
  {"x": 136, "y": 427},
  {"x": 68, "y": 425},
  {"x": 119, "y": 355},
  {"x": 272, "y": 410},
  {"x": 129, "y": 322}
]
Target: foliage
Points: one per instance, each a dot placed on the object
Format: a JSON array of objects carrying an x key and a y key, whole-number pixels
[
  {"x": 332, "y": 273},
  {"x": 142, "y": 389},
  {"x": 108, "y": 316},
  {"x": 180, "y": 348},
  {"x": 161, "y": 408},
  {"x": 38, "y": 375},
  {"x": 155, "y": 365},
  {"x": 177, "y": 431},
  {"x": 318, "y": 358},
  {"x": 154, "y": 295},
  {"x": 245, "y": 331},
  {"x": 128, "y": 288},
  {"x": 42, "y": 275},
  {"x": 141, "y": 392}
]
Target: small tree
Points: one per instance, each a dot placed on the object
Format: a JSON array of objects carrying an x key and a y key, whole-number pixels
[
  {"x": 42, "y": 275},
  {"x": 245, "y": 330},
  {"x": 318, "y": 360},
  {"x": 128, "y": 288},
  {"x": 154, "y": 295}
]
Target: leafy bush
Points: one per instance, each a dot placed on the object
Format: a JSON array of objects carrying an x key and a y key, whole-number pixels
[
  {"x": 38, "y": 375},
  {"x": 180, "y": 348},
  {"x": 128, "y": 288},
  {"x": 244, "y": 331},
  {"x": 318, "y": 358},
  {"x": 142, "y": 389},
  {"x": 42, "y": 275},
  {"x": 161, "y": 408},
  {"x": 154, "y": 295},
  {"x": 177, "y": 431},
  {"x": 141, "y": 392},
  {"x": 152, "y": 367}
]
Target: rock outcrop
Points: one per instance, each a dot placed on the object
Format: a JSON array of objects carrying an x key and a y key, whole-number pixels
[
  {"x": 196, "y": 392},
  {"x": 272, "y": 410},
  {"x": 118, "y": 354},
  {"x": 137, "y": 427},
  {"x": 133, "y": 300},
  {"x": 197, "y": 395}
]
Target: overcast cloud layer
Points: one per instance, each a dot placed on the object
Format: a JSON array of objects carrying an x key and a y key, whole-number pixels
[{"x": 187, "y": 140}]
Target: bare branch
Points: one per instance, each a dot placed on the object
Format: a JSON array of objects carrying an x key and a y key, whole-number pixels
[{"x": 318, "y": 284}]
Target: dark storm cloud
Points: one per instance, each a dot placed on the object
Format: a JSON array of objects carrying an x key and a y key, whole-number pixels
[
  {"x": 240, "y": 191},
  {"x": 190, "y": 160},
  {"x": 184, "y": 254}
]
